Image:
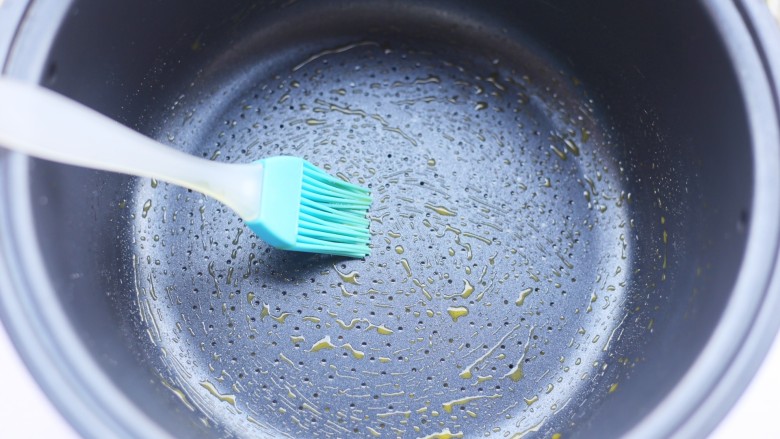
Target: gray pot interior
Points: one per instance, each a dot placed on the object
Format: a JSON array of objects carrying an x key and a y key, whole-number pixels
[{"x": 630, "y": 246}]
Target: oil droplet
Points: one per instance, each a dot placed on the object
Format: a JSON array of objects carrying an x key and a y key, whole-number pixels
[
  {"x": 238, "y": 235},
  {"x": 230, "y": 399},
  {"x": 585, "y": 135},
  {"x": 516, "y": 373},
  {"x": 324, "y": 343},
  {"x": 441, "y": 210},
  {"x": 523, "y": 294},
  {"x": 561, "y": 155},
  {"x": 532, "y": 429},
  {"x": 447, "y": 406},
  {"x": 266, "y": 311},
  {"x": 281, "y": 317},
  {"x": 179, "y": 394},
  {"x": 457, "y": 312},
  {"x": 406, "y": 266},
  {"x": 399, "y": 249},
  {"x": 571, "y": 146},
  {"x": 430, "y": 79},
  {"x": 466, "y": 373},
  {"x": 383, "y": 330},
  {"x": 556, "y": 436},
  {"x": 146, "y": 207},
  {"x": 481, "y": 238},
  {"x": 154, "y": 183},
  {"x": 349, "y": 325},
  {"x": 351, "y": 277},
  {"x": 290, "y": 362},
  {"x": 355, "y": 353},
  {"x": 405, "y": 414},
  {"x": 444, "y": 434},
  {"x": 431, "y": 162},
  {"x": 531, "y": 400},
  {"x": 309, "y": 407},
  {"x": 344, "y": 292},
  {"x": 467, "y": 289},
  {"x": 425, "y": 292}
]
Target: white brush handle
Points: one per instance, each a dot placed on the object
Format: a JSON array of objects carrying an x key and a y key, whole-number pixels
[{"x": 44, "y": 124}]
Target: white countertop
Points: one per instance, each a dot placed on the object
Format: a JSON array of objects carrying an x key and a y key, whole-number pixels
[
  {"x": 26, "y": 413},
  {"x": 24, "y": 409}
]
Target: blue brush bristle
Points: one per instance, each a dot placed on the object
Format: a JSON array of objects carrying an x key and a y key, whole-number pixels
[{"x": 332, "y": 217}]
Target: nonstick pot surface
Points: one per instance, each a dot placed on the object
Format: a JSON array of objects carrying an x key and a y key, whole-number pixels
[
  {"x": 500, "y": 235},
  {"x": 559, "y": 215}
]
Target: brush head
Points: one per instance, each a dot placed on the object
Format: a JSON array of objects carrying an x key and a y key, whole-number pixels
[{"x": 305, "y": 209}]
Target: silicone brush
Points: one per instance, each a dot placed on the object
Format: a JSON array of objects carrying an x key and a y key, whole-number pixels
[{"x": 288, "y": 202}]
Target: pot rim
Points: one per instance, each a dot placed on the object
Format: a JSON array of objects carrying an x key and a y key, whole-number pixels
[
  {"x": 63, "y": 367},
  {"x": 696, "y": 405},
  {"x": 53, "y": 353}
]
